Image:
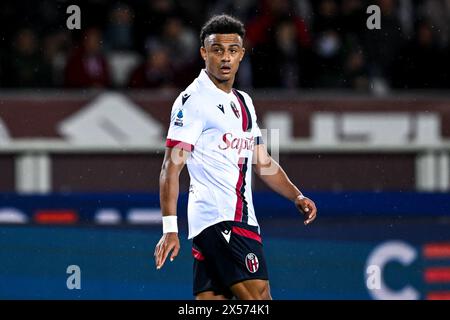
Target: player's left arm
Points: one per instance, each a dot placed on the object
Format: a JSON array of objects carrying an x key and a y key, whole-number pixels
[{"x": 276, "y": 178}]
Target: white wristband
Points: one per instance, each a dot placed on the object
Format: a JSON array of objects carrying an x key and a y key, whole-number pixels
[
  {"x": 170, "y": 224},
  {"x": 300, "y": 197}
]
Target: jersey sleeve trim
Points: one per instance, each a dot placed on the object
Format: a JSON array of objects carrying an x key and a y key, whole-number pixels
[
  {"x": 259, "y": 140},
  {"x": 179, "y": 144}
]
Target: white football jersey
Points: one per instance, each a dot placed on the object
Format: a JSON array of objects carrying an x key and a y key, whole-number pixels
[{"x": 221, "y": 132}]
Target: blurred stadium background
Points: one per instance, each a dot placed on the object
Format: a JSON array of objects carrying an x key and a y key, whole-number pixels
[{"x": 364, "y": 128}]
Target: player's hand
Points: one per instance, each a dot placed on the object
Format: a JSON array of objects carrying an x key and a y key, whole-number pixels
[
  {"x": 308, "y": 208},
  {"x": 168, "y": 242}
]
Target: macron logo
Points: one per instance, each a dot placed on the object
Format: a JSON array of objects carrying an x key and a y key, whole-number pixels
[
  {"x": 220, "y": 106},
  {"x": 184, "y": 98},
  {"x": 227, "y": 235}
]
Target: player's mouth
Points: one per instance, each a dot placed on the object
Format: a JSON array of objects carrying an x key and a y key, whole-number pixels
[{"x": 225, "y": 69}]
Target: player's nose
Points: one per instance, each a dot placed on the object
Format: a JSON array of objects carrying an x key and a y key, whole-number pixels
[{"x": 226, "y": 57}]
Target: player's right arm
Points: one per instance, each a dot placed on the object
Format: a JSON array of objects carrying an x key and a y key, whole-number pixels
[
  {"x": 174, "y": 161},
  {"x": 185, "y": 128}
]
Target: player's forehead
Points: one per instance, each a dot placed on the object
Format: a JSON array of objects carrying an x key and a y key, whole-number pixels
[{"x": 224, "y": 39}]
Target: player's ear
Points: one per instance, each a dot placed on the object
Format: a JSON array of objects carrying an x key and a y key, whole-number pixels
[
  {"x": 203, "y": 53},
  {"x": 242, "y": 54}
]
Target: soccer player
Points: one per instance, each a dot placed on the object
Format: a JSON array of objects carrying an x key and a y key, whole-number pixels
[{"x": 213, "y": 129}]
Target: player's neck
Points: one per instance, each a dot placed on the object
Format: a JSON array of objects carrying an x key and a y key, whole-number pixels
[{"x": 225, "y": 86}]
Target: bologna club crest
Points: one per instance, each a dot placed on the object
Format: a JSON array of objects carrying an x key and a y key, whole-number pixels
[
  {"x": 235, "y": 110},
  {"x": 252, "y": 263}
]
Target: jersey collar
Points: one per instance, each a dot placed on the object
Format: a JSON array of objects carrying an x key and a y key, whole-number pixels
[{"x": 206, "y": 82}]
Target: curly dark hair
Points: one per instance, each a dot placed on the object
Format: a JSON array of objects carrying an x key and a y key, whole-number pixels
[{"x": 223, "y": 24}]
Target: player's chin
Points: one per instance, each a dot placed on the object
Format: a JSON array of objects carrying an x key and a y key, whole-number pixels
[{"x": 224, "y": 78}]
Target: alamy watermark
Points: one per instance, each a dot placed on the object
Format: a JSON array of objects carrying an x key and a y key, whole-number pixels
[
  {"x": 245, "y": 147},
  {"x": 74, "y": 20},
  {"x": 373, "y": 277},
  {"x": 74, "y": 280},
  {"x": 374, "y": 21}
]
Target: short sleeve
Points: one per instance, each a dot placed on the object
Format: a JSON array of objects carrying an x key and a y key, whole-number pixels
[{"x": 186, "y": 124}]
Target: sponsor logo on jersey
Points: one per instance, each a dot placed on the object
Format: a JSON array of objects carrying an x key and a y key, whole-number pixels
[{"x": 238, "y": 144}]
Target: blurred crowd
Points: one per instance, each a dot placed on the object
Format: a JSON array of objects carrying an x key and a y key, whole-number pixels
[{"x": 290, "y": 44}]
